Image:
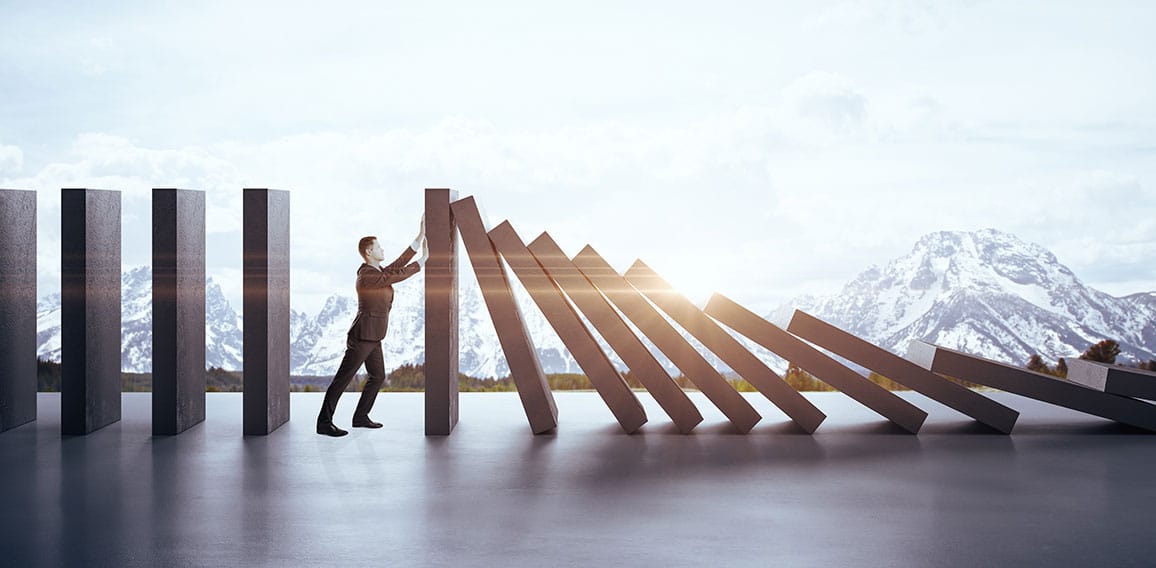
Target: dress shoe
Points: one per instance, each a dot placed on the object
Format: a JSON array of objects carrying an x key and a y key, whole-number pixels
[
  {"x": 365, "y": 423},
  {"x": 330, "y": 430}
]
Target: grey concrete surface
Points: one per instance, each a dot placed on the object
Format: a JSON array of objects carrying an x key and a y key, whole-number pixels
[{"x": 1066, "y": 489}]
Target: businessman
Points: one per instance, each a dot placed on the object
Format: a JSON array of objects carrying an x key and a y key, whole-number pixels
[{"x": 363, "y": 342}]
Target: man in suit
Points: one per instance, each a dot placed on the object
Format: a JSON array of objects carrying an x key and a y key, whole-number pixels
[{"x": 363, "y": 342}]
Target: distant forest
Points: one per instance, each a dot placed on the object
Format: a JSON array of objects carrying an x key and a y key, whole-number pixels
[{"x": 411, "y": 378}]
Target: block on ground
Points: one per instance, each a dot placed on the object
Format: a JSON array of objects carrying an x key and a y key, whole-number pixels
[
  {"x": 664, "y": 336},
  {"x": 902, "y": 371},
  {"x": 17, "y": 308},
  {"x": 622, "y": 340},
  {"x": 887, "y": 404},
  {"x": 534, "y": 391},
  {"x": 727, "y": 348},
  {"x": 574, "y": 335},
  {"x": 265, "y": 272},
  {"x": 1038, "y": 386},
  {"x": 90, "y": 309},
  {"x": 1113, "y": 379},
  {"x": 441, "y": 314},
  {"x": 178, "y": 397}
]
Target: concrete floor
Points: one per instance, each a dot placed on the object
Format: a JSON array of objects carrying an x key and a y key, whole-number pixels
[{"x": 1065, "y": 490}]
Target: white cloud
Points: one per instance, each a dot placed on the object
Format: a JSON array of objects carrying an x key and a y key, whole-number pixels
[{"x": 11, "y": 159}]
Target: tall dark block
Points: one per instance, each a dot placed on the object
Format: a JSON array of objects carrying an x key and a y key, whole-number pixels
[
  {"x": 89, "y": 309},
  {"x": 1045, "y": 388},
  {"x": 886, "y": 403},
  {"x": 533, "y": 390},
  {"x": 17, "y": 308},
  {"x": 178, "y": 310},
  {"x": 904, "y": 372},
  {"x": 715, "y": 338},
  {"x": 441, "y": 314},
  {"x": 265, "y": 269},
  {"x": 570, "y": 329}
]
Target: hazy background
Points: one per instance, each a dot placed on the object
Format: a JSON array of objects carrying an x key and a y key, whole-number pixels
[{"x": 764, "y": 149}]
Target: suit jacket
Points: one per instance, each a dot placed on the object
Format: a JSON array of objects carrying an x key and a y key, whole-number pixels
[{"x": 375, "y": 296}]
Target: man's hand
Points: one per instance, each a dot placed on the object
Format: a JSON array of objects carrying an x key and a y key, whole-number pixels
[{"x": 419, "y": 240}]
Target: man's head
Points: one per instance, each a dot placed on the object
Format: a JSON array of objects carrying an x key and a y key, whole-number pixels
[{"x": 370, "y": 250}]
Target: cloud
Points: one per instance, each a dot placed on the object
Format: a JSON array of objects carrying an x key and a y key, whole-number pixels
[
  {"x": 827, "y": 99},
  {"x": 11, "y": 159}
]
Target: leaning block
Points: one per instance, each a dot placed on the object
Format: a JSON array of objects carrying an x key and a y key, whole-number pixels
[
  {"x": 17, "y": 308},
  {"x": 715, "y": 338},
  {"x": 904, "y": 372},
  {"x": 573, "y": 333},
  {"x": 178, "y": 310},
  {"x": 537, "y": 400},
  {"x": 615, "y": 331},
  {"x": 1039, "y": 386},
  {"x": 886, "y": 403},
  {"x": 90, "y": 314},
  {"x": 441, "y": 314},
  {"x": 1104, "y": 377},
  {"x": 265, "y": 270},
  {"x": 651, "y": 323}
]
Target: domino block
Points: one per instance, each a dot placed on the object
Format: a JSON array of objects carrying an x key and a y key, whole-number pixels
[
  {"x": 1113, "y": 379},
  {"x": 1038, "y": 386},
  {"x": 573, "y": 333},
  {"x": 715, "y": 338},
  {"x": 90, "y": 316},
  {"x": 981, "y": 408},
  {"x": 17, "y": 308},
  {"x": 178, "y": 310},
  {"x": 534, "y": 391},
  {"x": 441, "y": 314},
  {"x": 651, "y": 323},
  {"x": 887, "y": 404},
  {"x": 616, "y": 333},
  {"x": 265, "y": 270}
]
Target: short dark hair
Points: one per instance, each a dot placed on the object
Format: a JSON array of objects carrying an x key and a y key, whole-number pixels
[{"x": 364, "y": 243}]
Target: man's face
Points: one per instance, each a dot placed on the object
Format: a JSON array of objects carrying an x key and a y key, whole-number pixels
[{"x": 375, "y": 254}]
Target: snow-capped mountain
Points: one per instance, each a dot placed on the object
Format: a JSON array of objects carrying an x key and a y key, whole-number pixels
[
  {"x": 987, "y": 293},
  {"x": 222, "y": 329}
]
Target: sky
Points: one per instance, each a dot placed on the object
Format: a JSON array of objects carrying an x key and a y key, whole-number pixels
[{"x": 759, "y": 149}]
